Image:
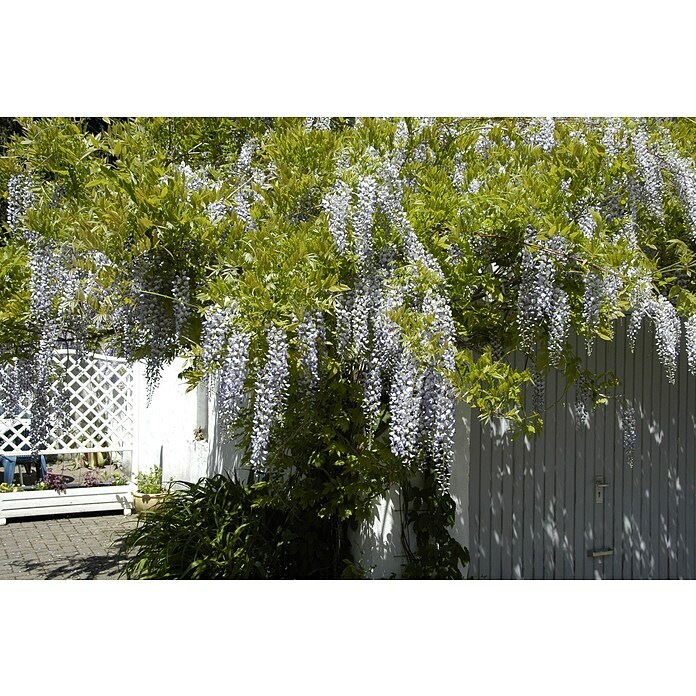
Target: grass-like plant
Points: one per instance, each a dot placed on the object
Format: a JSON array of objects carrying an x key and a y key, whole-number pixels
[{"x": 218, "y": 528}]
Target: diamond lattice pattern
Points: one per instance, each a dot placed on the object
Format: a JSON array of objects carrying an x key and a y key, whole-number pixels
[{"x": 97, "y": 392}]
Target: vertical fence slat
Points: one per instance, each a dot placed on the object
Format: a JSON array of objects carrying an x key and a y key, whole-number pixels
[
  {"x": 640, "y": 463},
  {"x": 615, "y": 447},
  {"x": 496, "y": 536},
  {"x": 528, "y": 538},
  {"x": 652, "y": 488},
  {"x": 539, "y": 511},
  {"x": 515, "y": 455},
  {"x": 680, "y": 398},
  {"x": 486, "y": 457},
  {"x": 562, "y": 464},
  {"x": 505, "y": 455},
  {"x": 570, "y": 479},
  {"x": 629, "y": 522},
  {"x": 475, "y": 496},
  {"x": 659, "y": 479},
  {"x": 598, "y": 440},
  {"x": 670, "y": 404},
  {"x": 587, "y": 450},
  {"x": 690, "y": 445},
  {"x": 606, "y": 448},
  {"x": 687, "y": 461},
  {"x": 550, "y": 501}
]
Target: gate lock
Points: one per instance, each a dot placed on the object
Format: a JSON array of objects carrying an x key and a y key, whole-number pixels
[{"x": 600, "y": 485}]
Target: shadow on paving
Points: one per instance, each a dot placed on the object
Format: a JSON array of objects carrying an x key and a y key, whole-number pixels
[
  {"x": 73, "y": 568},
  {"x": 89, "y": 547}
]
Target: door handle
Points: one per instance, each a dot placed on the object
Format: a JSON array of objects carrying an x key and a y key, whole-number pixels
[
  {"x": 600, "y": 485},
  {"x": 599, "y": 553}
]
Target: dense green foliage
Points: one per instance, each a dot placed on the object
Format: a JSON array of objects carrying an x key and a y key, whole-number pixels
[
  {"x": 447, "y": 245},
  {"x": 220, "y": 529}
]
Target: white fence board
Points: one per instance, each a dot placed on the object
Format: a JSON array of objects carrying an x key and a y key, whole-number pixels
[{"x": 533, "y": 512}]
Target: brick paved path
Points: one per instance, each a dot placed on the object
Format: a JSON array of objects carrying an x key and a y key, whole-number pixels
[{"x": 71, "y": 547}]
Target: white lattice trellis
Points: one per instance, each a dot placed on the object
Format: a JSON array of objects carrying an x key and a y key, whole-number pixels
[{"x": 97, "y": 392}]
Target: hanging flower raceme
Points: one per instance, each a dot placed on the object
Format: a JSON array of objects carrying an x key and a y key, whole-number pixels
[
  {"x": 682, "y": 171},
  {"x": 535, "y": 299},
  {"x": 372, "y": 395},
  {"x": 155, "y": 323},
  {"x": 628, "y": 422},
  {"x": 181, "y": 291},
  {"x": 559, "y": 325},
  {"x": 667, "y": 335},
  {"x": 336, "y": 203},
  {"x": 231, "y": 378},
  {"x": 270, "y": 397},
  {"x": 362, "y": 217},
  {"x": 20, "y": 198},
  {"x": 690, "y": 337},
  {"x": 651, "y": 173},
  {"x": 641, "y": 302},
  {"x": 246, "y": 175},
  {"x": 217, "y": 326},
  {"x": 310, "y": 335},
  {"x": 404, "y": 405}
]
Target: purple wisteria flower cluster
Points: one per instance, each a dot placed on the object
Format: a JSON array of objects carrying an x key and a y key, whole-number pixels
[
  {"x": 684, "y": 176},
  {"x": 651, "y": 173},
  {"x": 247, "y": 175},
  {"x": 559, "y": 325},
  {"x": 155, "y": 324},
  {"x": 270, "y": 396},
  {"x": 419, "y": 396},
  {"x": 181, "y": 294},
  {"x": 690, "y": 339},
  {"x": 311, "y": 335},
  {"x": 231, "y": 378},
  {"x": 628, "y": 422},
  {"x": 31, "y": 384},
  {"x": 538, "y": 303},
  {"x": 20, "y": 199},
  {"x": 667, "y": 335},
  {"x": 583, "y": 403}
]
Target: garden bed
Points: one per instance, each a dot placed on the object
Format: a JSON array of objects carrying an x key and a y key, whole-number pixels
[{"x": 32, "y": 503}]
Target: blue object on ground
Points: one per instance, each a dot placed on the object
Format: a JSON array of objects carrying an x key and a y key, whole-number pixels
[{"x": 9, "y": 463}]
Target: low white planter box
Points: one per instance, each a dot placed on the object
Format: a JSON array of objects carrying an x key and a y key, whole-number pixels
[{"x": 71, "y": 501}]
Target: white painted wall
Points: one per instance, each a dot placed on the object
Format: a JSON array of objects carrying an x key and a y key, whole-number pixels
[
  {"x": 164, "y": 428},
  {"x": 377, "y": 545},
  {"x": 379, "y": 542}
]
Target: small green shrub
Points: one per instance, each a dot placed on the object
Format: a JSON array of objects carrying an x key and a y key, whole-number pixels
[
  {"x": 218, "y": 528},
  {"x": 151, "y": 482}
]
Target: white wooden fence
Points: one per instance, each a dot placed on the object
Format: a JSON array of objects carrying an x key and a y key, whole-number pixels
[{"x": 568, "y": 504}]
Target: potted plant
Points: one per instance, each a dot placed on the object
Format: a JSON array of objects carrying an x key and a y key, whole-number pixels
[{"x": 150, "y": 492}]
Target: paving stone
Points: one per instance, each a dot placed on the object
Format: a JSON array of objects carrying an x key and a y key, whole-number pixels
[{"x": 63, "y": 548}]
